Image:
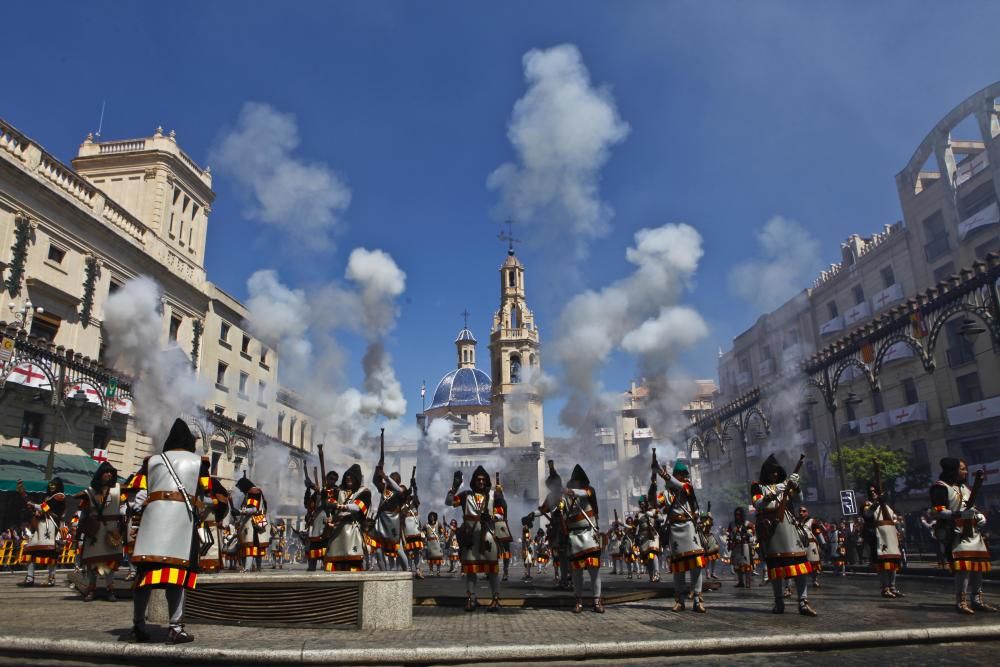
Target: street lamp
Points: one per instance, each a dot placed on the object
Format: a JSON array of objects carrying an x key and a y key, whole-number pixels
[
  {"x": 970, "y": 329},
  {"x": 21, "y": 315}
]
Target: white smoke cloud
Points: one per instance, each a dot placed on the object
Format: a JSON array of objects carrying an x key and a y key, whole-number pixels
[
  {"x": 562, "y": 129},
  {"x": 164, "y": 383},
  {"x": 303, "y": 326},
  {"x": 789, "y": 259},
  {"x": 303, "y": 199}
]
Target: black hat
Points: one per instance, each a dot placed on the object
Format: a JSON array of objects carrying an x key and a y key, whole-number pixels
[
  {"x": 180, "y": 437},
  {"x": 95, "y": 481},
  {"x": 771, "y": 466},
  {"x": 432, "y": 517},
  {"x": 244, "y": 484},
  {"x": 354, "y": 472},
  {"x": 480, "y": 470},
  {"x": 553, "y": 482},
  {"x": 579, "y": 476},
  {"x": 949, "y": 469}
]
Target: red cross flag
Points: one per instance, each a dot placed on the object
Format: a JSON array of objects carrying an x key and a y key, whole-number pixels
[{"x": 30, "y": 375}]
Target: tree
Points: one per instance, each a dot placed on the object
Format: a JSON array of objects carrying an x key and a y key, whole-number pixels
[
  {"x": 724, "y": 498},
  {"x": 859, "y": 467}
]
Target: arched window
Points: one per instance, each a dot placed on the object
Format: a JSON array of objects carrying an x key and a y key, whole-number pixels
[
  {"x": 515, "y": 369},
  {"x": 515, "y": 317},
  {"x": 531, "y": 359},
  {"x": 511, "y": 279}
]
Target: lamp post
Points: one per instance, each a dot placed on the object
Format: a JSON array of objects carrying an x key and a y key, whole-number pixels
[{"x": 24, "y": 314}]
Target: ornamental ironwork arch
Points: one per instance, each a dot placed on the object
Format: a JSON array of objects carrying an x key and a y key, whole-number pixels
[
  {"x": 926, "y": 360},
  {"x": 856, "y": 363},
  {"x": 950, "y": 312}
]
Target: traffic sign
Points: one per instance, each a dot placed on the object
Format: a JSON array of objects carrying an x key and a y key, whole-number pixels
[{"x": 848, "y": 503}]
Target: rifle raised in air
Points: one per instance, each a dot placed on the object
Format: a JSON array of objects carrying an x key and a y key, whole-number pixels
[{"x": 787, "y": 495}]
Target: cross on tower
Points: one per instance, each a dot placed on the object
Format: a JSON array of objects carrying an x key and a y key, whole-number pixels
[
  {"x": 465, "y": 316},
  {"x": 509, "y": 236}
]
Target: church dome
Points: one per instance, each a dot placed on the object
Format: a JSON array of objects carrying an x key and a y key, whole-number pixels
[
  {"x": 465, "y": 336},
  {"x": 463, "y": 387}
]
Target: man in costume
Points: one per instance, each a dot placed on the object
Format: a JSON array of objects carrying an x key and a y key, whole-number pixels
[
  {"x": 434, "y": 538},
  {"x": 252, "y": 526},
  {"x": 345, "y": 551},
  {"x": 102, "y": 522},
  {"x": 615, "y": 547},
  {"x": 413, "y": 536},
  {"x": 812, "y": 532},
  {"x": 888, "y": 556},
  {"x": 278, "y": 544},
  {"x": 742, "y": 548},
  {"x": 687, "y": 553},
  {"x": 475, "y": 536},
  {"x": 317, "y": 503},
  {"x": 166, "y": 547},
  {"x": 556, "y": 534},
  {"x": 838, "y": 548},
  {"x": 387, "y": 520},
  {"x": 454, "y": 551},
  {"x": 959, "y": 526},
  {"x": 630, "y": 548},
  {"x": 712, "y": 547},
  {"x": 784, "y": 549},
  {"x": 647, "y": 535},
  {"x": 45, "y": 543},
  {"x": 210, "y": 537},
  {"x": 582, "y": 515},
  {"x": 527, "y": 552}
]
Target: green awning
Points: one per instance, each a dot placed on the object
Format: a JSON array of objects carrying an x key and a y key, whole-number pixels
[{"x": 75, "y": 470}]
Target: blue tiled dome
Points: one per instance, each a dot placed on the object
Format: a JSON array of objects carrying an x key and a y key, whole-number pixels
[
  {"x": 465, "y": 334},
  {"x": 463, "y": 387}
]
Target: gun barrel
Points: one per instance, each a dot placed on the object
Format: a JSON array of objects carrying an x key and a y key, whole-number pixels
[{"x": 322, "y": 462}]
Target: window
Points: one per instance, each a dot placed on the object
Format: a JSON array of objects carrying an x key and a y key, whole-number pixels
[
  {"x": 281, "y": 425},
  {"x": 45, "y": 325},
  {"x": 302, "y": 436},
  {"x": 114, "y": 286},
  {"x": 935, "y": 237},
  {"x": 56, "y": 254},
  {"x": 877, "y": 402},
  {"x": 263, "y": 355},
  {"x": 261, "y": 388},
  {"x": 243, "y": 383},
  {"x": 245, "y": 346},
  {"x": 515, "y": 369},
  {"x": 969, "y": 390},
  {"x": 859, "y": 294},
  {"x": 831, "y": 308},
  {"x": 977, "y": 200},
  {"x": 640, "y": 422},
  {"x": 910, "y": 395},
  {"x": 805, "y": 420},
  {"x": 851, "y": 415},
  {"x": 31, "y": 430},
  {"x": 960, "y": 349},
  {"x": 241, "y": 419},
  {"x": 510, "y": 278},
  {"x": 993, "y": 245},
  {"x": 220, "y": 374},
  {"x": 220, "y": 410},
  {"x": 942, "y": 272},
  {"x": 237, "y": 462},
  {"x": 102, "y": 436},
  {"x": 215, "y": 462},
  {"x": 888, "y": 277},
  {"x": 920, "y": 456},
  {"x": 175, "y": 327},
  {"x": 224, "y": 331}
]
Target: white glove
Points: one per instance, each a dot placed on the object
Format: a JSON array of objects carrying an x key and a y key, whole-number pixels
[
  {"x": 793, "y": 479},
  {"x": 779, "y": 488},
  {"x": 980, "y": 520}
]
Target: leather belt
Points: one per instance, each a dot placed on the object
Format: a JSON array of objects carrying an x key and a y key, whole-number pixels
[
  {"x": 166, "y": 495},
  {"x": 887, "y": 523}
]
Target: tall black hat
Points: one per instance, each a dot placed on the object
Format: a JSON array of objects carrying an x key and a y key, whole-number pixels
[
  {"x": 554, "y": 481},
  {"x": 180, "y": 437},
  {"x": 95, "y": 481},
  {"x": 244, "y": 484},
  {"x": 579, "y": 476},
  {"x": 949, "y": 469},
  {"x": 771, "y": 466},
  {"x": 480, "y": 470},
  {"x": 354, "y": 472}
]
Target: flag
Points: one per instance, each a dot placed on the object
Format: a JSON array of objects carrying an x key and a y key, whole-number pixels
[
  {"x": 867, "y": 352},
  {"x": 919, "y": 326},
  {"x": 99, "y": 455}
]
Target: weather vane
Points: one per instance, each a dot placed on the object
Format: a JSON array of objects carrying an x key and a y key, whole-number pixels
[{"x": 509, "y": 236}]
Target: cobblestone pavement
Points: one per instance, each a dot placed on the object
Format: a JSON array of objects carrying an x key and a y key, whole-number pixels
[{"x": 844, "y": 605}]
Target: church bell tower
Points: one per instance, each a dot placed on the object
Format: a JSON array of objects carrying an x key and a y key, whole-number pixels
[{"x": 515, "y": 362}]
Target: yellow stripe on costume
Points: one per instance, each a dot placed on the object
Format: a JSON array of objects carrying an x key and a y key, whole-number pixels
[
  {"x": 786, "y": 571},
  {"x": 687, "y": 564},
  {"x": 168, "y": 576},
  {"x": 971, "y": 566}
]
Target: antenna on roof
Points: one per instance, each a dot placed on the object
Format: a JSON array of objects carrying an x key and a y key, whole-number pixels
[{"x": 100, "y": 123}]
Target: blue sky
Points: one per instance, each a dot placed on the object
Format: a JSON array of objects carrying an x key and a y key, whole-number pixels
[{"x": 736, "y": 113}]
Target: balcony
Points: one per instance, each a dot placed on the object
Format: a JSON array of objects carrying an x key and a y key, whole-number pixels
[
  {"x": 642, "y": 434},
  {"x": 898, "y": 352},
  {"x": 604, "y": 436},
  {"x": 874, "y": 424},
  {"x": 832, "y": 326},
  {"x": 889, "y": 296},
  {"x": 766, "y": 367},
  {"x": 908, "y": 414},
  {"x": 988, "y": 216},
  {"x": 968, "y": 413},
  {"x": 857, "y": 314}
]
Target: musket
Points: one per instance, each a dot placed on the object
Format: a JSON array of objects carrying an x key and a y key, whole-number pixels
[
  {"x": 878, "y": 490},
  {"x": 656, "y": 467},
  {"x": 316, "y": 477},
  {"x": 322, "y": 465},
  {"x": 413, "y": 483},
  {"x": 381, "y": 451},
  {"x": 971, "y": 502},
  {"x": 786, "y": 496}
]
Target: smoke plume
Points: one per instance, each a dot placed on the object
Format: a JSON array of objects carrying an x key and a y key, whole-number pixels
[
  {"x": 303, "y": 199},
  {"x": 789, "y": 257},
  {"x": 562, "y": 130},
  {"x": 164, "y": 384}
]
